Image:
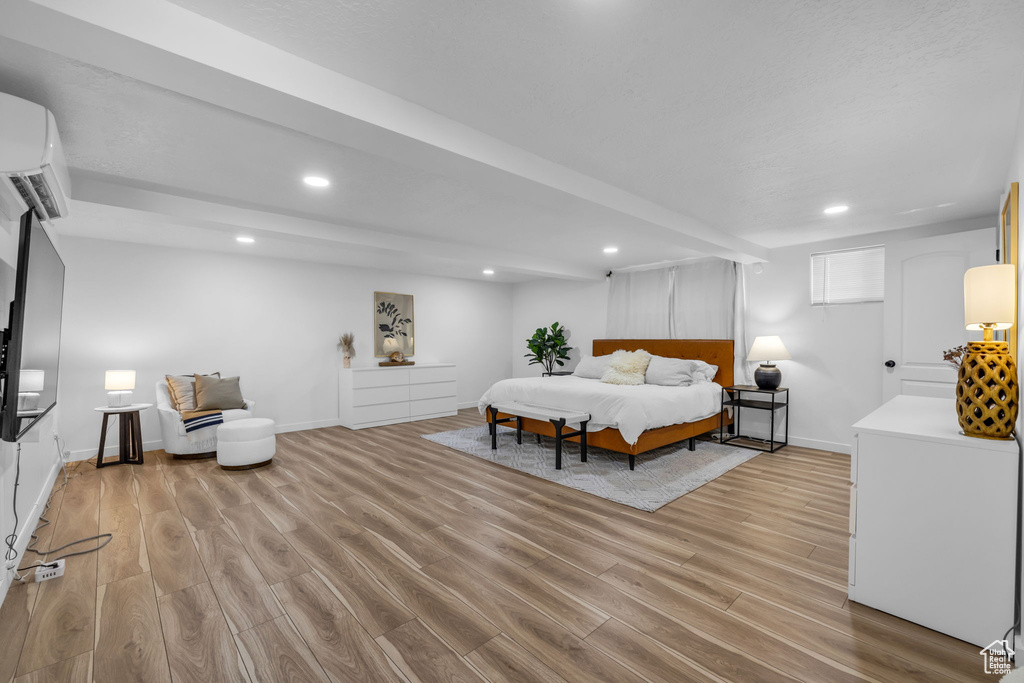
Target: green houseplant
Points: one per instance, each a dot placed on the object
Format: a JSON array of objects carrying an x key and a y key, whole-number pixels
[{"x": 547, "y": 347}]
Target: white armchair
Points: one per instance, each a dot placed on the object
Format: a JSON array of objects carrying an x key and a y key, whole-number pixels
[{"x": 200, "y": 442}]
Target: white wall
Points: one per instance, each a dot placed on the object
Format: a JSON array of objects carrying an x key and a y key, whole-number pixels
[
  {"x": 39, "y": 459},
  {"x": 580, "y": 307},
  {"x": 836, "y": 371},
  {"x": 273, "y": 322}
]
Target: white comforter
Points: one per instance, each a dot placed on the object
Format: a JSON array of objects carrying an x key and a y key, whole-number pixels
[{"x": 630, "y": 409}]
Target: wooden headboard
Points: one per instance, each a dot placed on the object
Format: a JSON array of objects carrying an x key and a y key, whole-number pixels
[{"x": 714, "y": 351}]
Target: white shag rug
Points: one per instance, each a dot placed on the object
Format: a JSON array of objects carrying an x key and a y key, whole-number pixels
[{"x": 661, "y": 475}]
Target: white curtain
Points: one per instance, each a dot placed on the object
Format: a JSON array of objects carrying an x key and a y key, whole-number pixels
[
  {"x": 701, "y": 300},
  {"x": 639, "y": 305}
]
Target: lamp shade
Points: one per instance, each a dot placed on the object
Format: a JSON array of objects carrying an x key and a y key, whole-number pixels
[
  {"x": 990, "y": 297},
  {"x": 390, "y": 345},
  {"x": 120, "y": 380},
  {"x": 31, "y": 380},
  {"x": 768, "y": 348}
]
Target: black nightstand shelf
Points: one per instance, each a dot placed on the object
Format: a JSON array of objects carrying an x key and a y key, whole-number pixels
[{"x": 734, "y": 397}]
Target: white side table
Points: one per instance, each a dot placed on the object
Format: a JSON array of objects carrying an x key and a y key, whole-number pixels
[{"x": 130, "y": 442}]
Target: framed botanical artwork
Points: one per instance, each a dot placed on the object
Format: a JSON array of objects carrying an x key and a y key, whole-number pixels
[
  {"x": 393, "y": 324},
  {"x": 1009, "y": 245}
]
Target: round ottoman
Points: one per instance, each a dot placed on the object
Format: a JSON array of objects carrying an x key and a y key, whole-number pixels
[{"x": 244, "y": 444}]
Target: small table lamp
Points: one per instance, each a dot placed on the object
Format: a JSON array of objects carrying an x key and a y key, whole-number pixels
[
  {"x": 987, "y": 393},
  {"x": 30, "y": 383},
  {"x": 119, "y": 385},
  {"x": 765, "y": 350}
]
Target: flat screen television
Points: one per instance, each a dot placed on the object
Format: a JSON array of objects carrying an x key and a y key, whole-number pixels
[{"x": 31, "y": 349}]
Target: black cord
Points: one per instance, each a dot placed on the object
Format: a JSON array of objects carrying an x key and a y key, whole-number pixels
[{"x": 12, "y": 537}]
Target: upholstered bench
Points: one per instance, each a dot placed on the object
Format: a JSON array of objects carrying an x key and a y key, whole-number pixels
[
  {"x": 244, "y": 444},
  {"x": 558, "y": 418}
]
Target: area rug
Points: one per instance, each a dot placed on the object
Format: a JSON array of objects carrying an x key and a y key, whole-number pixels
[{"x": 661, "y": 475}]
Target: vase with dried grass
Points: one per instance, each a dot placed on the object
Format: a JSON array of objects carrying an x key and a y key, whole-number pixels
[{"x": 347, "y": 343}]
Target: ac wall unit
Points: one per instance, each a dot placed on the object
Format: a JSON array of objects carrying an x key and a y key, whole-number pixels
[{"x": 33, "y": 173}]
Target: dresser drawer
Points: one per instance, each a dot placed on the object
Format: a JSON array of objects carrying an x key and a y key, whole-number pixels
[
  {"x": 379, "y": 413},
  {"x": 380, "y": 378},
  {"x": 433, "y": 406},
  {"x": 426, "y": 375},
  {"x": 432, "y": 390},
  {"x": 375, "y": 395}
]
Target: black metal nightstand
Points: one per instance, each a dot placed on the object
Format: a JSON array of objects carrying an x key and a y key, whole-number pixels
[{"x": 733, "y": 396}]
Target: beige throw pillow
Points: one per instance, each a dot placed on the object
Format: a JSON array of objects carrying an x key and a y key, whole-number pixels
[
  {"x": 213, "y": 393},
  {"x": 627, "y": 367},
  {"x": 182, "y": 389}
]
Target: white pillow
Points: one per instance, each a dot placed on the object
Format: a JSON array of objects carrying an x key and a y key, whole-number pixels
[
  {"x": 627, "y": 367},
  {"x": 592, "y": 367},
  {"x": 674, "y": 372},
  {"x": 669, "y": 372}
]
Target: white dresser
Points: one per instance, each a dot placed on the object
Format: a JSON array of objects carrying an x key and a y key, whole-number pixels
[
  {"x": 933, "y": 520},
  {"x": 375, "y": 396}
]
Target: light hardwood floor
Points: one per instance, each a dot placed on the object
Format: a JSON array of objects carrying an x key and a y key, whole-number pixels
[{"x": 380, "y": 556}]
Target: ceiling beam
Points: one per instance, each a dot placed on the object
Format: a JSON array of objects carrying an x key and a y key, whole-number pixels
[
  {"x": 97, "y": 189},
  {"x": 165, "y": 45}
]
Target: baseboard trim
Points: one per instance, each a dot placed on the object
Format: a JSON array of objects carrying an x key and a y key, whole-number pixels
[
  {"x": 110, "y": 451},
  {"x": 470, "y": 404},
  {"x": 28, "y": 526},
  {"x": 833, "y": 446},
  {"x": 300, "y": 426}
]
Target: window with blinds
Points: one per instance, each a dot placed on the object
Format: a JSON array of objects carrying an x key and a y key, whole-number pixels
[{"x": 848, "y": 276}]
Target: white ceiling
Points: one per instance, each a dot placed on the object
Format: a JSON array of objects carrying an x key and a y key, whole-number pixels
[{"x": 522, "y": 136}]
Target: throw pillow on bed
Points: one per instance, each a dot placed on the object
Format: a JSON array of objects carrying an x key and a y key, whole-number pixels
[
  {"x": 592, "y": 367},
  {"x": 677, "y": 372},
  {"x": 627, "y": 367}
]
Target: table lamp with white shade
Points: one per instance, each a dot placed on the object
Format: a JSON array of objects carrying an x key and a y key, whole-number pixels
[
  {"x": 987, "y": 393},
  {"x": 119, "y": 385},
  {"x": 764, "y": 350},
  {"x": 30, "y": 383}
]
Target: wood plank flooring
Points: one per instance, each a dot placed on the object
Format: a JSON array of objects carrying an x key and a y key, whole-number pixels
[{"x": 380, "y": 556}]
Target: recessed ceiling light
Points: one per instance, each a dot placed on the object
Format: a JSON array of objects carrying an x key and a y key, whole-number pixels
[
  {"x": 488, "y": 271},
  {"x": 611, "y": 250},
  {"x": 316, "y": 181},
  {"x": 245, "y": 240},
  {"x": 836, "y": 209}
]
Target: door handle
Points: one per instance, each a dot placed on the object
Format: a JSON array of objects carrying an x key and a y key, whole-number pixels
[{"x": 890, "y": 363}]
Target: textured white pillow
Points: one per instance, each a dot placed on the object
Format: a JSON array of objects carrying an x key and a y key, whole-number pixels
[
  {"x": 673, "y": 372},
  {"x": 627, "y": 367},
  {"x": 592, "y": 367}
]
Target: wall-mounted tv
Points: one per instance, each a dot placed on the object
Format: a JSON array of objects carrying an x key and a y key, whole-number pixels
[{"x": 31, "y": 350}]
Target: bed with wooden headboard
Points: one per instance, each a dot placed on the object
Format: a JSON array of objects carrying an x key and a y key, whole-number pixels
[{"x": 713, "y": 351}]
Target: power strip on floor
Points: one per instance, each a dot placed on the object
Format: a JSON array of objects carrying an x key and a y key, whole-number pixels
[{"x": 52, "y": 570}]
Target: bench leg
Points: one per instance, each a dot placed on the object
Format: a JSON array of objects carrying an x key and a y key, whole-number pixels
[
  {"x": 692, "y": 443},
  {"x": 494, "y": 428},
  {"x": 519, "y": 430},
  {"x": 559, "y": 423},
  {"x": 583, "y": 441},
  {"x": 538, "y": 438},
  {"x": 632, "y": 461}
]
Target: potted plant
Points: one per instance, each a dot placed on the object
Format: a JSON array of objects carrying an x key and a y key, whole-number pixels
[{"x": 548, "y": 348}]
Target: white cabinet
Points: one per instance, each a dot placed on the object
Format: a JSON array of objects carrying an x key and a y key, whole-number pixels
[
  {"x": 375, "y": 396},
  {"x": 933, "y": 520}
]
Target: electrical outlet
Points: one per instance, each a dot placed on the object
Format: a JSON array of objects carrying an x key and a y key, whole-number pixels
[{"x": 49, "y": 571}]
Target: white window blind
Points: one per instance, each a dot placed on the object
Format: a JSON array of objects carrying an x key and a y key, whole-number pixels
[{"x": 848, "y": 276}]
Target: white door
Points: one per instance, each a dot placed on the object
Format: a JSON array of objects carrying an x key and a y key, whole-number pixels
[{"x": 924, "y": 309}]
